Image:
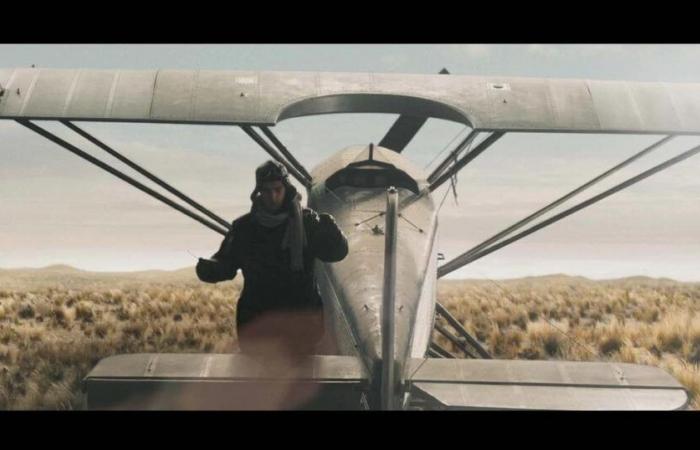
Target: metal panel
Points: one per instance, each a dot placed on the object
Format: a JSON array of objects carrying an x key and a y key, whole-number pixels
[
  {"x": 282, "y": 89},
  {"x": 519, "y": 103},
  {"x": 132, "y": 95},
  {"x": 452, "y": 396},
  {"x": 336, "y": 83},
  {"x": 224, "y": 381},
  {"x": 159, "y": 394},
  {"x": 565, "y": 385},
  {"x": 572, "y": 105},
  {"x": 225, "y": 97},
  {"x": 5, "y": 76},
  {"x": 48, "y": 96},
  {"x": 91, "y": 94},
  {"x": 239, "y": 366},
  {"x": 655, "y": 106},
  {"x": 338, "y": 338},
  {"x": 615, "y": 106},
  {"x": 173, "y": 95},
  {"x": 686, "y": 102},
  {"x": 17, "y": 91},
  {"x": 541, "y": 372}
]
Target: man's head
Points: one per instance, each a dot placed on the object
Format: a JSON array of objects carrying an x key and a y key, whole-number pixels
[
  {"x": 272, "y": 183},
  {"x": 272, "y": 194}
]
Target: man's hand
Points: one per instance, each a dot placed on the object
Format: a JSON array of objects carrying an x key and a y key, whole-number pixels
[
  {"x": 207, "y": 269},
  {"x": 331, "y": 244},
  {"x": 326, "y": 219}
]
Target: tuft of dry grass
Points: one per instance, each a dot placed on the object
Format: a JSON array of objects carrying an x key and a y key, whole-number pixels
[
  {"x": 53, "y": 330},
  {"x": 637, "y": 320},
  {"x": 54, "y": 327}
]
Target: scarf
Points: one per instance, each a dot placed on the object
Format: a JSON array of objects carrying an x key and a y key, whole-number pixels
[{"x": 294, "y": 237}]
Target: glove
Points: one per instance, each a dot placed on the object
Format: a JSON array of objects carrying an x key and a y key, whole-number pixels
[
  {"x": 326, "y": 219},
  {"x": 206, "y": 269}
]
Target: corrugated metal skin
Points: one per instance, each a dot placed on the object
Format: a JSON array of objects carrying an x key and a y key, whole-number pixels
[{"x": 487, "y": 103}]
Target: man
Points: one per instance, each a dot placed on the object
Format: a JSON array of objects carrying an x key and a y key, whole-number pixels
[{"x": 280, "y": 308}]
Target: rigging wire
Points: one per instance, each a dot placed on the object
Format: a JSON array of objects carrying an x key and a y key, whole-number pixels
[{"x": 446, "y": 147}]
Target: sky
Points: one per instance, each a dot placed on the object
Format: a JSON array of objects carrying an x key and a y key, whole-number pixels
[{"x": 57, "y": 209}]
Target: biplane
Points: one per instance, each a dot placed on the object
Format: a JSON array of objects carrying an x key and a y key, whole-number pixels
[{"x": 380, "y": 301}]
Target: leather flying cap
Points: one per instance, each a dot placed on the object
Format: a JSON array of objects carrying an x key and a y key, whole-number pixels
[{"x": 270, "y": 171}]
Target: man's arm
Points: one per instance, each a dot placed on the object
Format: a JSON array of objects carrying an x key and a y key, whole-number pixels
[
  {"x": 328, "y": 242},
  {"x": 222, "y": 265}
]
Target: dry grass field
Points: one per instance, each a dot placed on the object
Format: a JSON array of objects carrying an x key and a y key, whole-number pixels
[{"x": 57, "y": 322}]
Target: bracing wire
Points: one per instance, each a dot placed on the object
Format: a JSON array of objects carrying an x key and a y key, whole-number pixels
[{"x": 446, "y": 147}]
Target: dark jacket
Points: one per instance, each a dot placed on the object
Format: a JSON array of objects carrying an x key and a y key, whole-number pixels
[{"x": 270, "y": 284}]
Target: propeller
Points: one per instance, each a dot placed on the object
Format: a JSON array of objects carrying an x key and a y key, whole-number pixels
[{"x": 404, "y": 129}]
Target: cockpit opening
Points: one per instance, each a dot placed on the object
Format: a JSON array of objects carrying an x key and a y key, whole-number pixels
[{"x": 371, "y": 174}]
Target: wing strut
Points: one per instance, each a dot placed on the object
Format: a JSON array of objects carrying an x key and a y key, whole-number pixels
[
  {"x": 436, "y": 351},
  {"x": 465, "y": 336},
  {"x": 452, "y": 156},
  {"x": 559, "y": 201},
  {"x": 455, "y": 340},
  {"x": 144, "y": 172},
  {"x": 467, "y": 259},
  {"x": 389, "y": 372},
  {"x": 292, "y": 160},
  {"x": 73, "y": 149},
  {"x": 466, "y": 159},
  {"x": 306, "y": 182}
]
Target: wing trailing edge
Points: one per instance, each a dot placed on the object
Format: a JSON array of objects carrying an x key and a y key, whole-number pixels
[{"x": 543, "y": 385}]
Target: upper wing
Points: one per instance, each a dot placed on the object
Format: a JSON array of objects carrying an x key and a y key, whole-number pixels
[{"x": 264, "y": 98}]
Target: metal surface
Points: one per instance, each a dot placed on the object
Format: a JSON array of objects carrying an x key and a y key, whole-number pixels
[
  {"x": 264, "y": 98},
  {"x": 146, "y": 173},
  {"x": 73, "y": 149},
  {"x": 457, "y": 262},
  {"x": 466, "y": 159},
  {"x": 357, "y": 281},
  {"x": 388, "y": 301},
  {"x": 564, "y": 385},
  {"x": 224, "y": 381},
  {"x": 275, "y": 154},
  {"x": 629, "y": 182},
  {"x": 462, "y": 331}
]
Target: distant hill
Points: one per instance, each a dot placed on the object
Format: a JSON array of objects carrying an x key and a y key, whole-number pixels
[
  {"x": 65, "y": 274},
  {"x": 73, "y": 277}
]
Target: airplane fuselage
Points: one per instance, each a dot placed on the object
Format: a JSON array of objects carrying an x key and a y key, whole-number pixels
[{"x": 352, "y": 289}]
